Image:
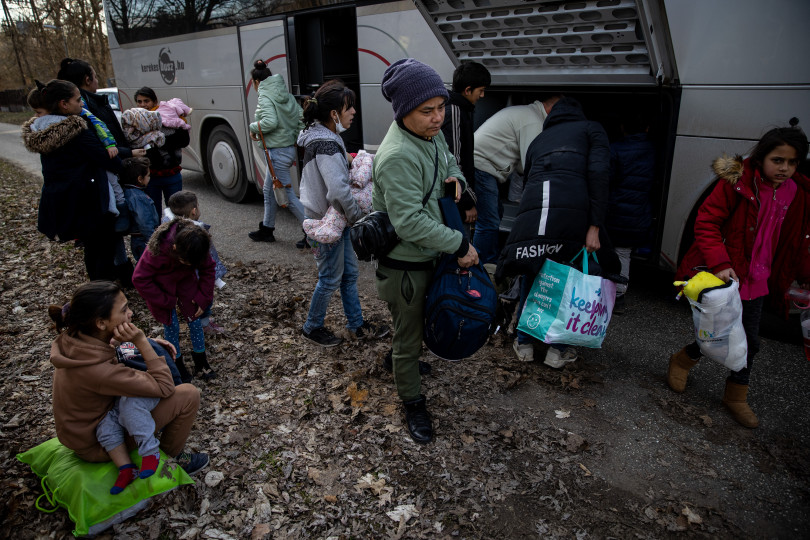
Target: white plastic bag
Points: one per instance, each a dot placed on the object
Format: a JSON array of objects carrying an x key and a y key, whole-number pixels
[{"x": 718, "y": 326}]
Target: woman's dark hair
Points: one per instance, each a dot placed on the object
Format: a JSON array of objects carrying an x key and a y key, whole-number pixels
[
  {"x": 260, "y": 71},
  {"x": 470, "y": 74},
  {"x": 75, "y": 71},
  {"x": 55, "y": 91},
  {"x": 147, "y": 93},
  {"x": 192, "y": 243},
  {"x": 791, "y": 136},
  {"x": 132, "y": 168},
  {"x": 34, "y": 99},
  {"x": 91, "y": 302},
  {"x": 331, "y": 96}
]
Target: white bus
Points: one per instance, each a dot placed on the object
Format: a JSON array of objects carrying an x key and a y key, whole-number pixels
[{"x": 713, "y": 74}]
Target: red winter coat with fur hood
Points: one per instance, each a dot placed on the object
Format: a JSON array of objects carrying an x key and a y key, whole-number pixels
[{"x": 726, "y": 228}]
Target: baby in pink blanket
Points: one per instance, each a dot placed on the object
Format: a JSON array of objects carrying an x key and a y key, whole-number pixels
[
  {"x": 329, "y": 229},
  {"x": 173, "y": 113}
]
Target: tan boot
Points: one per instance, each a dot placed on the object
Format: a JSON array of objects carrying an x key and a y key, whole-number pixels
[
  {"x": 735, "y": 399},
  {"x": 679, "y": 365}
]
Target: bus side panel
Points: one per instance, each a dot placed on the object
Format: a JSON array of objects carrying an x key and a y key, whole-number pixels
[
  {"x": 740, "y": 41},
  {"x": 201, "y": 62},
  {"x": 265, "y": 41},
  {"x": 740, "y": 112},
  {"x": 386, "y": 33}
]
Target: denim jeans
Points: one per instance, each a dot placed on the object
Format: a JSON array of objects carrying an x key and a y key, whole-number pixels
[
  {"x": 337, "y": 268},
  {"x": 165, "y": 186},
  {"x": 488, "y": 223},
  {"x": 283, "y": 159},
  {"x": 171, "y": 332},
  {"x": 137, "y": 362}
]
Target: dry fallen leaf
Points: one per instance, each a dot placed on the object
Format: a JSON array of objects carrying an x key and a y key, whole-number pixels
[{"x": 357, "y": 396}]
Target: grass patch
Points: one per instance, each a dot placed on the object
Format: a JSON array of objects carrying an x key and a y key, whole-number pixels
[{"x": 15, "y": 117}]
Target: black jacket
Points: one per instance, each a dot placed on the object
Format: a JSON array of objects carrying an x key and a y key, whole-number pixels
[
  {"x": 75, "y": 192},
  {"x": 459, "y": 131},
  {"x": 566, "y": 191},
  {"x": 632, "y": 178},
  {"x": 98, "y": 105}
]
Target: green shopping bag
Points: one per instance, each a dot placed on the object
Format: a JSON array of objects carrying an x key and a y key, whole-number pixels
[
  {"x": 83, "y": 488},
  {"x": 567, "y": 306}
]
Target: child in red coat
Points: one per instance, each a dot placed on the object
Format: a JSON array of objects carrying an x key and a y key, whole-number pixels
[
  {"x": 177, "y": 272},
  {"x": 753, "y": 228}
]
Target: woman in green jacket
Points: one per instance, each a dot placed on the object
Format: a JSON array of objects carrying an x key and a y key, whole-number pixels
[{"x": 278, "y": 121}]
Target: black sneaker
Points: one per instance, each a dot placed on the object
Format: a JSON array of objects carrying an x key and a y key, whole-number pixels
[
  {"x": 323, "y": 337},
  {"x": 371, "y": 330},
  {"x": 192, "y": 463},
  {"x": 303, "y": 243}
]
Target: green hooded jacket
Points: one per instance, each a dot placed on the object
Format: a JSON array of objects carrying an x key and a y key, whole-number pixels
[
  {"x": 403, "y": 172},
  {"x": 278, "y": 114}
]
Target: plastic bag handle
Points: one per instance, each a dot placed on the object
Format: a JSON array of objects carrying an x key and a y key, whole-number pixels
[
  {"x": 585, "y": 255},
  {"x": 50, "y": 496}
]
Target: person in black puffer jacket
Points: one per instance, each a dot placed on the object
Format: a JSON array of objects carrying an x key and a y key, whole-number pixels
[
  {"x": 563, "y": 207},
  {"x": 632, "y": 177}
]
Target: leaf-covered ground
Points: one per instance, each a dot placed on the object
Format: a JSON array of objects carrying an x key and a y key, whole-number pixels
[{"x": 310, "y": 443}]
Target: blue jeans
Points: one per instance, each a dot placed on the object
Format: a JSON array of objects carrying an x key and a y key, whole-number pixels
[
  {"x": 137, "y": 362},
  {"x": 171, "y": 332},
  {"x": 165, "y": 186},
  {"x": 337, "y": 267},
  {"x": 488, "y": 223},
  {"x": 282, "y": 161}
]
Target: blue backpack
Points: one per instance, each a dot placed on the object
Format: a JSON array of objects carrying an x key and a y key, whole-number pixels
[{"x": 460, "y": 304}]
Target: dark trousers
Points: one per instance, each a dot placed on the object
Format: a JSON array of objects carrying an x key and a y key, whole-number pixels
[{"x": 751, "y": 318}]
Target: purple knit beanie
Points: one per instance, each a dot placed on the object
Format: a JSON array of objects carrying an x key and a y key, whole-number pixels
[{"x": 407, "y": 83}]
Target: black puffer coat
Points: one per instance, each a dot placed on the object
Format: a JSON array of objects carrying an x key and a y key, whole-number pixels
[
  {"x": 75, "y": 192},
  {"x": 632, "y": 178},
  {"x": 99, "y": 106},
  {"x": 566, "y": 192}
]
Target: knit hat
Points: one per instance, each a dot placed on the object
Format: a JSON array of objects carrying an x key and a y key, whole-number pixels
[{"x": 407, "y": 83}]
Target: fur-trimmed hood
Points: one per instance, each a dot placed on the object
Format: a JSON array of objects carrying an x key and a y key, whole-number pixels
[
  {"x": 729, "y": 168},
  {"x": 164, "y": 231},
  {"x": 54, "y": 136}
]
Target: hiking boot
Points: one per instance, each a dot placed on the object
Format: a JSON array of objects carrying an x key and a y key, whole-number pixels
[
  {"x": 303, "y": 243},
  {"x": 202, "y": 369},
  {"x": 420, "y": 425},
  {"x": 524, "y": 352},
  {"x": 192, "y": 463},
  {"x": 679, "y": 365},
  {"x": 735, "y": 398},
  {"x": 369, "y": 330},
  {"x": 323, "y": 337},
  {"x": 557, "y": 359},
  {"x": 388, "y": 364},
  {"x": 264, "y": 234}
]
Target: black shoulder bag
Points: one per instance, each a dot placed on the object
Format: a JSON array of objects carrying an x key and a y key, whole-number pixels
[{"x": 373, "y": 236}]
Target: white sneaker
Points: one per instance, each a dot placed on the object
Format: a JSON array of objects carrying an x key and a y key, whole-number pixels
[
  {"x": 524, "y": 352},
  {"x": 556, "y": 360}
]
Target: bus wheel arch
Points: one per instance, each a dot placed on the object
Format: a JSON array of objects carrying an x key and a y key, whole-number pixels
[
  {"x": 224, "y": 162},
  {"x": 688, "y": 235}
]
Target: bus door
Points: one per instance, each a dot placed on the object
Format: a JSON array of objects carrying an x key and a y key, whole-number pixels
[
  {"x": 322, "y": 45},
  {"x": 263, "y": 40}
]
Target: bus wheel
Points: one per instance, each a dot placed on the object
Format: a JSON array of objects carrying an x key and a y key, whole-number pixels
[{"x": 226, "y": 167}]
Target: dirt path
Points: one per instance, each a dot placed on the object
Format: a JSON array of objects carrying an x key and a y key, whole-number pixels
[{"x": 312, "y": 445}]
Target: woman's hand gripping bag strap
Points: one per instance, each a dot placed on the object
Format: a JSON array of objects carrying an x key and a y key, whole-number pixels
[
  {"x": 717, "y": 314},
  {"x": 83, "y": 488},
  {"x": 567, "y": 306},
  {"x": 279, "y": 189},
  {"x": 461, "y": 302}
]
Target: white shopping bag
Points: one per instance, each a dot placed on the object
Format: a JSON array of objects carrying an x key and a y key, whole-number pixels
[{"x": 718, "y": 325}]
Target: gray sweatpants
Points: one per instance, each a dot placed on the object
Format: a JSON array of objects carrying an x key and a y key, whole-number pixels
[{"x": 131, "y": 415}]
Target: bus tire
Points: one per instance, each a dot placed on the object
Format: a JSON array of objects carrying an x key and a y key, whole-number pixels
[{"x": 225, "y": 164}]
